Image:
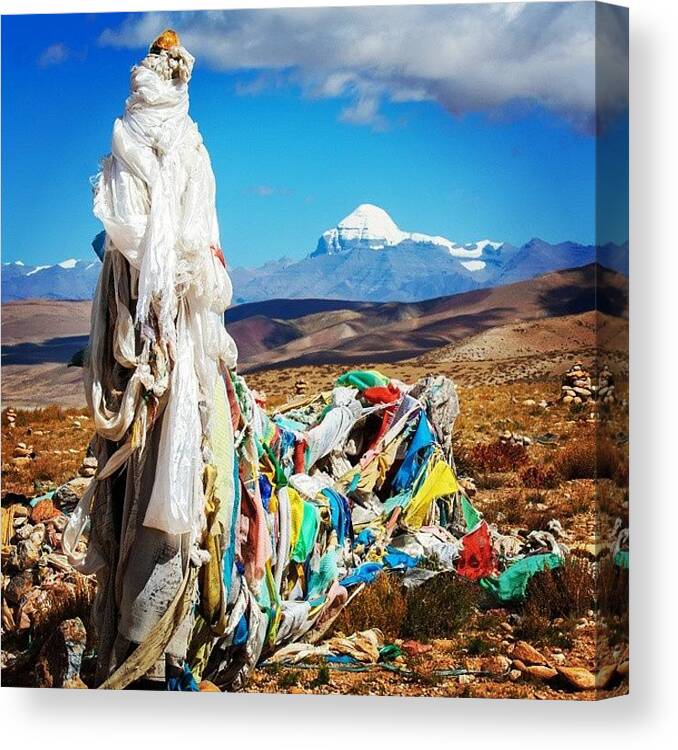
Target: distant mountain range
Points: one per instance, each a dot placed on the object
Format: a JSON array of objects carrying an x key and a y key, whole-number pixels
[{"x": 366, "y": 257}]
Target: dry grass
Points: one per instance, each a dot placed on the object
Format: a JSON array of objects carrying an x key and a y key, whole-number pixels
[
  {"x": 59, "y": 445},
  {"x": 592, "y": 458},
  {"x": 484, "y": 458},
  {"x": 440, "y": 607},
  {"x": 539, "y": 478},
  {"x": 566, "y": 592},
  {"x": 380, "y": 605}
]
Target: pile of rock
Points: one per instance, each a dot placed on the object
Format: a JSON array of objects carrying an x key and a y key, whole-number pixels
[
  {"x": 605, "y": 391},
  {"x": 22, "y": 454},
  {"x": 578, "y": 386},
  {"x": 11, "y": 418},
  {"x": 506, "y": 436},
  {"x": 44, "y": 600}
]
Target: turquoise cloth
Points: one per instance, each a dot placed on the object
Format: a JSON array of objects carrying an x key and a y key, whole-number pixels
[
  {"x": 325, "y": 576},
  {"x": 471, "y": 516},
  {"x": 363, "y": 379},
  {"x": 308, "y": 533},
  {"x": 621, "y": 559},
  {"x": 511, "y": 585}
]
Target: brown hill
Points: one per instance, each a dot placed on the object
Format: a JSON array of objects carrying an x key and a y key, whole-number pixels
[
  {"x": 392, "y": 331},
  {"x": 522, "y": 320}
]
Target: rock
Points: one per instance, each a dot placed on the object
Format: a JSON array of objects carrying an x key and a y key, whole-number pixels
[
  {"x": 20, "y": 460},
  {"x": 69, "y": 494},
  {"x": 528, "y": 654},
  {"x": 517, "y": 664},
  {"x": 24, "y": 531},
  {"x": 86, "y": 471},
  {"x": 18, "y": 586},
  {"x": 605, "y": 674},
  {"x": 529, "y": 402},
  {"x": 23, "y": 451},
  {"x": 76, "y": 424},
  {"x": 43, "y": 511},
  {"x": 25, "y": 556},
  {"x": 206, "y": 686},
  {"x": 465, "y": 679},
  {"x": 60, "y": 659},
  {"x": 514, "y": 675},
  {"x": 543, "y": 673},
  {"x": 568, "y": 399},
  {"x": 37, "y": 536},
  {"x": 578, "y": 677},
  {"x": 559, "y": 659},
  {"x": 496, "y": 664}
]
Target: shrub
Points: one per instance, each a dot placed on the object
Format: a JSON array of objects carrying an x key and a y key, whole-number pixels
[
  {"x": 612, "y": 588},
  {"x": 494, "y": 457},
  {"x": 381, "y": 605},
  {"x": 538, "y": 478},
  {"x": 588, "y": 458},
  {"x": 322, "y": 678},
  {"x": 440, "y": 607},
  {"x": 289, "y": 678},
  {"x": 478, "y": 646},
  {"x": 565, "y": 592}
]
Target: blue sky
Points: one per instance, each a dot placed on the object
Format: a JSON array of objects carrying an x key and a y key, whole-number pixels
[{"x": 480, "y": 140}]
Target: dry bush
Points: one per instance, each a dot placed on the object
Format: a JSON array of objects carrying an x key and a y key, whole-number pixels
[
  {"x": 566, "y": 591},
  {"x": 539, "y": 478},
  {"x": 588, "y": 458},
  {"x": 517, "y": 510},
  {"x": 440, "y": 607},
  {"x": 484, "y": 458},
  {"x": 492, "y": 481},
  {"x": 612, "y": 588},
  {"x": 381, "y": 605}
]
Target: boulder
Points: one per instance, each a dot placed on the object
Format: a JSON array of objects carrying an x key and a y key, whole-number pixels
[
  {"x": 541, "y": 672},
  {"x": 578, "y": 677},
  {"x": 528, "y": 654},
  {"x": 43, "y": 511}
]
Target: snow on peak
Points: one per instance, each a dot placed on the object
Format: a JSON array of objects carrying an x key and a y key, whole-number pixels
[
  {"x": 37, "y": 269},
  {"x": 369, "y": 222},
  {"x": 369, "y": 226},
  {"x": 70, "y": 263}
]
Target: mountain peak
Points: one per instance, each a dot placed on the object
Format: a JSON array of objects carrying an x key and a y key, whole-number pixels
[{"x": 369, "y": 222}]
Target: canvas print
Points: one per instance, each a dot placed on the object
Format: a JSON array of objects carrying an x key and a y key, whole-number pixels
[{"x": 315, "y": 351}]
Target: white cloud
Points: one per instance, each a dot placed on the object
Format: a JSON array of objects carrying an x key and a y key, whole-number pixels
[
  {"x": 468, "y": 58},
  {"x": 55, "y": 54}
]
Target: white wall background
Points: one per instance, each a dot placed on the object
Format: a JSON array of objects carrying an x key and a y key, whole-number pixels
[{"x": 91, "y": 719}]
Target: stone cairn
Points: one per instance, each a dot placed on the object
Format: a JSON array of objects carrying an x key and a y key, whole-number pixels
[
  {"x": 578, "y": 386},
  {"x": 514, "y": 438}
]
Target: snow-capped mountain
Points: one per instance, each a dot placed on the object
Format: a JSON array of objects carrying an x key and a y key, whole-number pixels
[
  {"x": 369, "y": 227},
  {"x": 366, "y": 256},
  {"x": 69, "y": 279}
]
